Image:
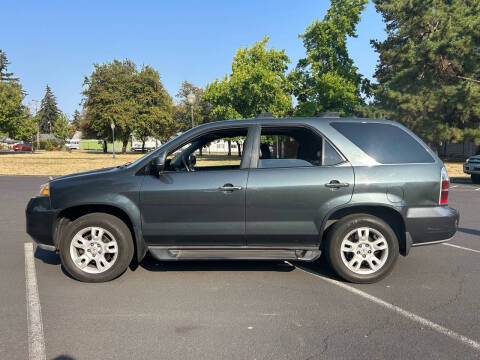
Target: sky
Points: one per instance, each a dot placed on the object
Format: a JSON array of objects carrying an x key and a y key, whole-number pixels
[{"x": 57, "y": 42}]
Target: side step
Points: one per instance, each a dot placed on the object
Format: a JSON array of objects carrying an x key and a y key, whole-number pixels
[{"x": 163, "y": 253}]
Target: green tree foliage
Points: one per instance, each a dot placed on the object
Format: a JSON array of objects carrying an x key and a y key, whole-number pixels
[
  {"x": 257, "y": 84},
  {"x": 4, "y": 74},
  {"x": 326, "y": 79},
  {"x": 154, "y": 115},
  {"x": 201, "y": 108},
  {"x": 12, "y": 112},
  {"x": 135, "y": 101},
  {"x": 429, "y": 68},
  {"x": 62, "y": 129},
  {"x": 76, "y": 120},
  {"x": 26, "y": 128},
  {"x": 48, "y": 112}
]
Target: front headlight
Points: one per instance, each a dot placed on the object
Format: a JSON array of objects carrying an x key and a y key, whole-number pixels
[{"x": 45, "y": 189}]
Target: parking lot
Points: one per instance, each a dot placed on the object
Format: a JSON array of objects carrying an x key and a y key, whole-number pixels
[{"x": 427, "y": 308}]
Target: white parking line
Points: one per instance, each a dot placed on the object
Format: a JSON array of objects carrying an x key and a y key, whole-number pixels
[
  {"x": 463, "y": 248},
  {"x": 405, "y": 313},
  {"x": 36, "y": 340}
]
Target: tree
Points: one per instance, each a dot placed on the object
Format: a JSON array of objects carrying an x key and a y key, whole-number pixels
[
  {"x": 26, "y": 128},
  {"x": 76, "y": 120},
  {"x": 62, "y": 129},
  {"x": 4, "y": 74},
  {"x": 12, "y": 112},
  {"x": 133, "y": 100},
  {"x": 326, "y": 79},
  {"x": 48, "y": 112},
  {"x": 155, "y": 107},
  {"x": 429, "y": 68},
  {"x": 257, "y": 84},
  {"x": 182, "y": 113}
]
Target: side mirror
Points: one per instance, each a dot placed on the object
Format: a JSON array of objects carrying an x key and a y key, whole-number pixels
[{"x": 158, "y": 165}]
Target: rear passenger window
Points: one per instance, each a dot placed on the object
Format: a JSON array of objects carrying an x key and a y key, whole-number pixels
[
  {"x": 294, "y": 147},
  {"x": 385, "y": 143}
]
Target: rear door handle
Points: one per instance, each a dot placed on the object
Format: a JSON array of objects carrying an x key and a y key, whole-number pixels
[
  {"x": 229, "y": 187},
  {"x": 335, "y": 184}
]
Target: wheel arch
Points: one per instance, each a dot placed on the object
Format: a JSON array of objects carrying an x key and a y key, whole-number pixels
[
  {"x": 69, "y": 214},
  {"x": 390, "y": 215}
]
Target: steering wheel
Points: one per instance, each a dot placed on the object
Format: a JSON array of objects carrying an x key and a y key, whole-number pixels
[{"x": 184, "y": 161}]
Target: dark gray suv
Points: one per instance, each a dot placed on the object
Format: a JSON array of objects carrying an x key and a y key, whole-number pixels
[{"x": 360, "y": 191}]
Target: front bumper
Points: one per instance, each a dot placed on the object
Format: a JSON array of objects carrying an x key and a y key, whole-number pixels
[
  {"x": 471, "y": 168},
  {"x": 430, "y": 225},
  {"x": 40, "y": 220}
]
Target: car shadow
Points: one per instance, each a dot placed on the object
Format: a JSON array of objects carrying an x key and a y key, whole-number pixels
[
  {"x": 151, "y": 264},
  {"x": 319, "y": 267},
  {"x": 48, "y": 257},
  {"x": 461, "y": 180}
]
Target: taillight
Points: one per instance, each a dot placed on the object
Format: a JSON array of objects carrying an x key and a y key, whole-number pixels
[{"x": 445, "y": 184}]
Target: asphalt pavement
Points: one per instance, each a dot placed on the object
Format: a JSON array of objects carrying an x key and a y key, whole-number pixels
[{"x": 428, "y": 308}]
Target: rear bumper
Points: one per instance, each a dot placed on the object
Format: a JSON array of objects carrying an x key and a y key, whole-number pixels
[
  {"x": 430, "y": 225},
  {"x": 40, "y": 220}
]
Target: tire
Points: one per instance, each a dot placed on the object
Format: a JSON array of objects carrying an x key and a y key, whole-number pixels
[
  {"x": 366, "y": 259},
  {"x": 100, "y": 243},
  {"x": 475, "y": 178}
]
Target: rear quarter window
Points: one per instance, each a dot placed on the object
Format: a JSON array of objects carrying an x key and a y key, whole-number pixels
[{"x": 387, "y": 144}]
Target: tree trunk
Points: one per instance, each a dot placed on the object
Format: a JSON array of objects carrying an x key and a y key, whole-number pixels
[
  {"x": 200, "y": 151},
  {"x": 105, "y": 146},
  {"x": 124, "y": 145},
  {"x": 143, "y": 146},
  {"x": 229, "y": 147},
  {"x": 239, "y": 149}
]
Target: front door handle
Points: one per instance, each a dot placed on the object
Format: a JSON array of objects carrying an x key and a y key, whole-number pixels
[
  {"x": 229, "y": 187},
  {"x": 335, "y": 184}
]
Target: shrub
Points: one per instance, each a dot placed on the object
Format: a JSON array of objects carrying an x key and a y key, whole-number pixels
[{"x": 50, "y": 145}]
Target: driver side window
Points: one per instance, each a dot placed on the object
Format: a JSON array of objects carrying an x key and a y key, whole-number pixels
[{"x": 217, "y": 150}]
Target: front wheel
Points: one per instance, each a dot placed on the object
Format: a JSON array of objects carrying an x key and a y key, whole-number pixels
[
  {"x": 97, "y": 247},
  {"x": 475, "y": 178},
  {"x": 361, "y": 248}
]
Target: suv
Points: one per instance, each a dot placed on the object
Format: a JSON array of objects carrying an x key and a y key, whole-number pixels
[
  {"x": 472, "y": 167},
  {"x": 361, "y": 191}
]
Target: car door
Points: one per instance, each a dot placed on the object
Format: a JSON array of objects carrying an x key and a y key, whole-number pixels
[
  {"x": 292, "y": 186},
  {"x": 205, "y": 207}
]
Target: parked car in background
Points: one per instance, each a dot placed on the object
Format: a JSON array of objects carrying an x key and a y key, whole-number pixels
[
  {"x": 360, "y": 191},
  {"x": 73, "y": 144},
  {"x": 472, "y": 167},
  {"x": 22, "y": 147}
]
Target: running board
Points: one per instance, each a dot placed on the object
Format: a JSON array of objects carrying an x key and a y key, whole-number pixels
[{"x": 162, "y": 253}]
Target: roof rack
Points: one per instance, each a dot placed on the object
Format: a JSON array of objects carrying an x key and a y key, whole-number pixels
[
  {"x": 265, "y": 115},
  {"x": 329, "y": 114}
]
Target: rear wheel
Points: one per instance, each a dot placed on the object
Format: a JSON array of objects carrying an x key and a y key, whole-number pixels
[
  {"x": 96, "y": 247},
  {"x": 475, "y": 178},
  {"x": 361, "y": 248}
]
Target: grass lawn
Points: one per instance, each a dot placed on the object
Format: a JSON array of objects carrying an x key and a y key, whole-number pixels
[
  {"x": 455, "y": 169},
  {"x": 63, "y": 163}
]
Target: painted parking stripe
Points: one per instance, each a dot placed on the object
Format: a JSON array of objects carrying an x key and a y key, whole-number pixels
[
  {"x": 463, "y": 248},
  {"x": 405, "y": 313},
  {"x": 36, "y": 340}
]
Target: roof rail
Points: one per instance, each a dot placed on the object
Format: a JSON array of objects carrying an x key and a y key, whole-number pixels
[
  {"x": 265, "y": 115},
  {"x": 329, "y": 114}
]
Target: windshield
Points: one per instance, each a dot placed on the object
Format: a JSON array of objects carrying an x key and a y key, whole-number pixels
[{"x": 155, "y": 152}]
